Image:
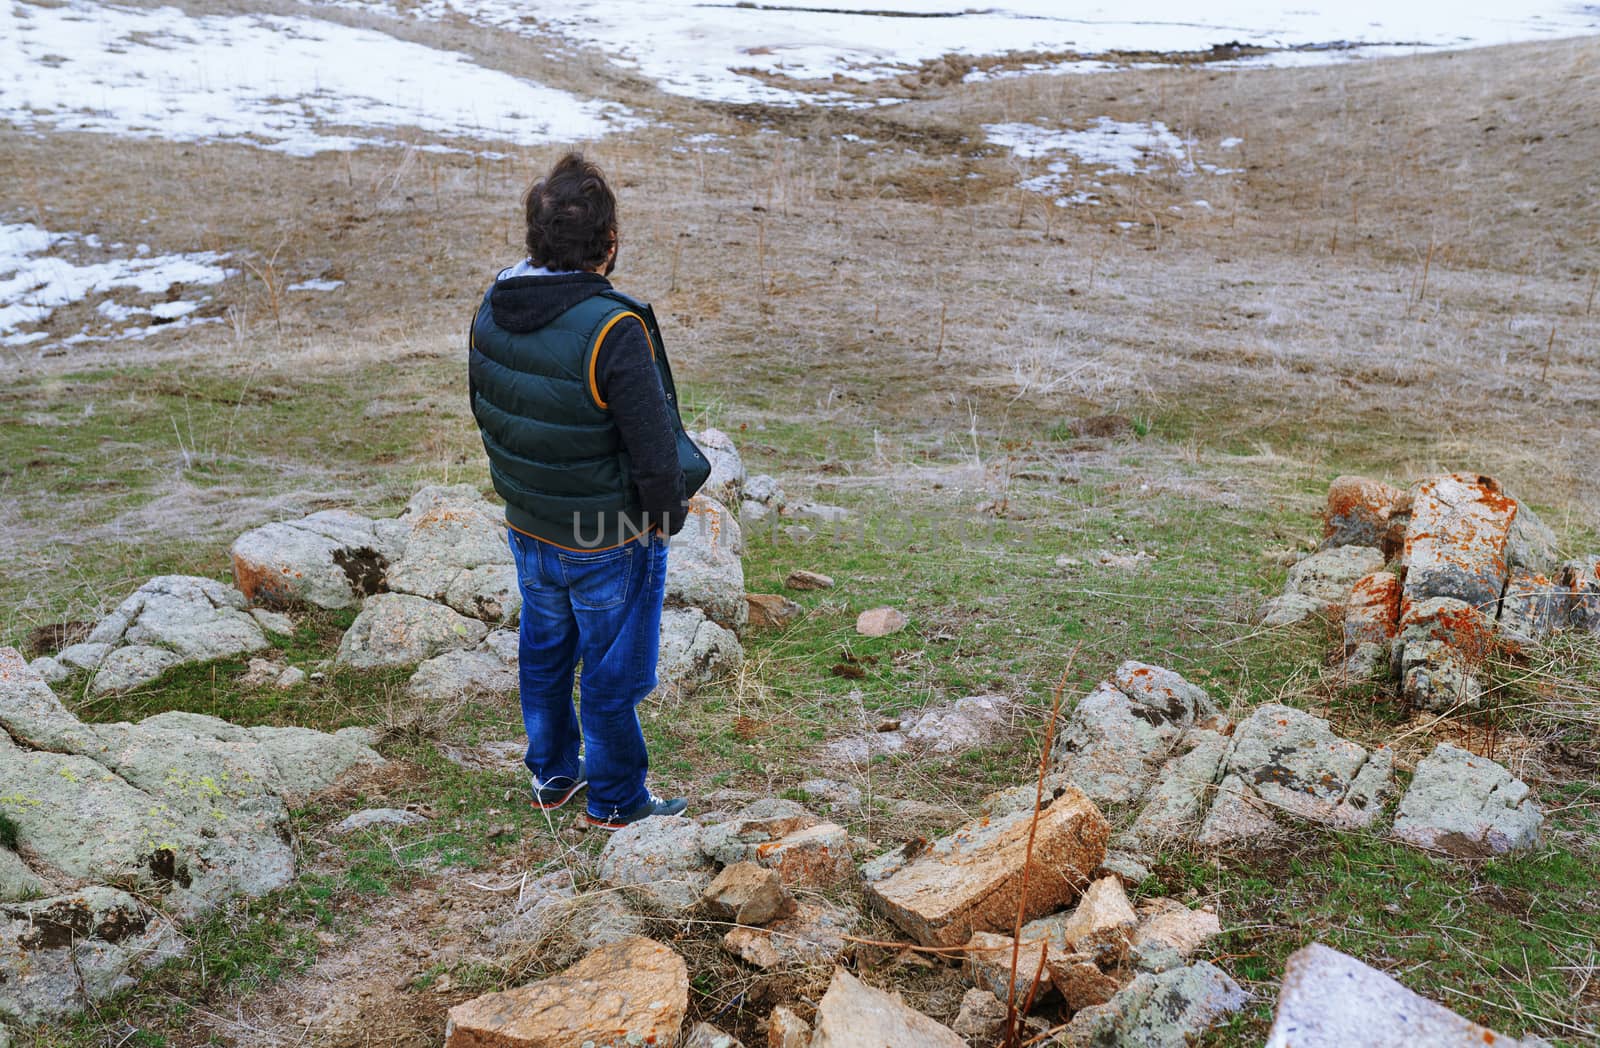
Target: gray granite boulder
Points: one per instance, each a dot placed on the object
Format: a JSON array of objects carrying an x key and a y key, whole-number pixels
[
  {"x": 1530, "y": 544},
  {"x": 488, "y": 669},
  {"x": 1328, "y": 575},
  {"x": 1286, "y": 761},
  {"x": 1531, "y": 608},
  {"x": 726, "y": 483},
  {"x": 1290, "y": 608},
  {"x": 704, "y": 569},
  {"x": 695, "y": 651},
  {"x": 1467, "y": 806},
  {"x": 1580, "y": 578},
  {"x": 398, "y": 629},
  {"x": 658, "y": 863},
  {"x": 1120, "y": 734},
  {"x": 171, "y": 619},
  {"x": 331, "y": 559},
  {"x": 456, "y": 553}
]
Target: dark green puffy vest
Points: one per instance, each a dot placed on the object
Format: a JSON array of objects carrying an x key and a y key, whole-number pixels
[{"x": 555, "y": 455}]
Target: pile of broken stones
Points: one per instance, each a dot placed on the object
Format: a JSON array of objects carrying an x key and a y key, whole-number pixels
[
  {"x": 1145, "y": 758},
  {"x": 1428, "y": 582}
]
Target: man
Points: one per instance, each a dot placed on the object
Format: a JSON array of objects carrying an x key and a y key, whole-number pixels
[{"x": 576, "y": 405}]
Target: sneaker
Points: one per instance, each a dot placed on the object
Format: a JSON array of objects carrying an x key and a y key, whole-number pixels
[
  {"x": 553, "y": 793},
  {"x": 654, "y": 806}
]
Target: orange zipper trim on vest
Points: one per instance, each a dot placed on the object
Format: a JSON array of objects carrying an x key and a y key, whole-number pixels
[{"x": 594, "y": 356}]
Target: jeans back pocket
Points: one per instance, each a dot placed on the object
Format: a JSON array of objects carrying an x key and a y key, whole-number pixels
[{"x": 598, "y": 581}]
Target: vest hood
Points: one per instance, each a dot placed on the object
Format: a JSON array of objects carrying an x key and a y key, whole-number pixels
[{"x": 523, "y": 304}]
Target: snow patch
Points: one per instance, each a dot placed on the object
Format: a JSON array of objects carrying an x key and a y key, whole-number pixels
[
  {"x": 316, "y": 285},
  {"x": 266, "y": 80}
]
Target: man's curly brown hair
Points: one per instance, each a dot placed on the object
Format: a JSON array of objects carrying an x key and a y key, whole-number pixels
[{"x": 572, "y": 217}]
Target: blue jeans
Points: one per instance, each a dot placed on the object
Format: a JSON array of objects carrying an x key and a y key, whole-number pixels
[{"x": 602, "y": 608}]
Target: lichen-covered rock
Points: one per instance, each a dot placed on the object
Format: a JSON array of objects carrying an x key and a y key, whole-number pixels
[
  {"x": 332, "y": 559},
  {"x": 1437, "y": 654},
  {"x": 1329, "y": 574},
  {"x": 634, "y": 992},
  {"x": 764, "y": 489},
  {"x": 1456, "y": 541},
  {"x": 18, "y": 882},
  {"x": 1467, "y": 806},
  {"x": 1174, "y": 803},
  {"x": 966, "y": 724},
  {"x": 1290, "y": 608},
  {"x": 1363, "y": 512},
  {"x": 658, "y": 863},
  {"x": 1530, "y": 609},
  {"x": 171, "y": 619},
  {"x": 704, "y": 1035},
  {"x": 399, "y": 629},
  {"x": 771, "y": 610},
  {"x": 1371, "y": 619},
  {"x": 456, "y": 554},
  {"x": 1122, "y": 732},
  {"x": 1285, "y": 760},
  {"x": 181, "y": 810},
  {"x": 781, "y": 835},
  {"x": 1530, "y": 544},
  {"x": 1165, "y": 924},
  {"x": 703, "y": 566},
  {"x": 1331, "y": 1000},
  {"x": 982, "y": 1018},
  {"x": 727, "y": 481},
  {"x": 1171, "y": 1009},
  {"x": 1580, "y": 579},
  {"x": 59, "y": 955},
  {"x": 986, "y": 963},
  {"x": 373, "y": 818},
  {"x": 745, "y": 893}
]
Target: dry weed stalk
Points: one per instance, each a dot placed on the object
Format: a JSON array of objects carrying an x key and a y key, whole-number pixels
[{"x": 1013, "y": 1031}]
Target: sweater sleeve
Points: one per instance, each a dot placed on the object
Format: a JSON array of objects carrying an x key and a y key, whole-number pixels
[{"x": 628, "y": 383}]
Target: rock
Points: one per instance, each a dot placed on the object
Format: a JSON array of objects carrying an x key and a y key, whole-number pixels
[
  {"x": 657, "y": 862},
  {"x": 1363, "y": 512},
  {"x": 126, "y": 668},
  {"x": 856, "y": 751},
  {"x": 1456, "y": 541},
  {"x": 169, "y": 620},
  {"x": 83, "y": 656},
  {"x": 456, "y": 553},
  {"x": 764, "y": 489},
  {"x": 808, "y": 580},
  {"x": 181, "y": 810},
  {"x": 1103, "y": 922},
  {"x": 399, "y": 629},
  {"x": 1167, "y": 1010},
  {"x": 752, "y": 512},
  {"x": 880, "y": 622},
  {"x": 735, "y": 839},
  {"x": 371, "y": 818},
  {"x": 855, "y": 1015},
  {"x": 273, "y": 621},
  {"x": 987, "y": 963},
  {"x": 1331, "y": 1000},
  {"x": 726, "y": 483},
  {"x": 785, "y": 1029},
  {"x": 482, "y": 671},
  {"x": 1165, "y": 924},
  {"x": 1372, "y": 613},
  {"x": 49, "y": 670},
  {"x": 782, "y": 836},
  {"x": 970, "y": 880},
  {"x": 331, "y": 559},
  {"x": 1286, "y": 760},
  {"x": 971, "y": 722},
  {"x": 18, "y": 883},
  {"x": 745, "y": 893},
  {"x": 1329, "y": 575},
  {"x": 1579, "y": 578},
  {"x": 695, "y": 651},
  {"x": 1467, "y": 806},
  {"x": 1122, "y": 732},
  {"x": 61, "y": 954},
  {"x": 1441, "y": 645},
  {"x": 982, "y": 1018},
  {"x": 1175, "y": 802},
  {"x": 703, "y": 566},
  {"x": 816, "y": 511},
  {"x": 1132, "y": 870},
  {"x": 291, "y": 677},
  {"x": 1290, "y": 609},
  {"x": 832, "y": 791},
  {"x": 1530, "y": 544},
  {"x": 1530, "y": 609},
  {"x": 1080, "y": 981},
  {"x": 632, "y": 992},
  {"x": 770, "y": 610},
  {"x": 260, "y": 672},
  {"x": 704, "y": 1035},
  {"x": 811, "y": 936}
]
